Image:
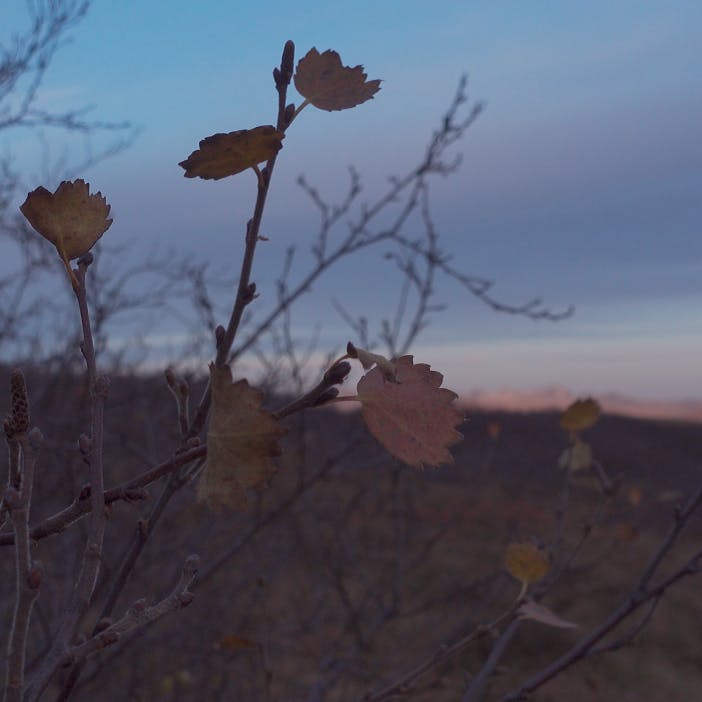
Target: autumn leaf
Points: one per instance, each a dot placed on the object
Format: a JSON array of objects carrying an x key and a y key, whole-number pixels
[
  {"x": 413, "y": 418},
  {"x": 540, "y": 613},
  {"x": 369, "y": 359},
  {"x": 581, "y": 414},
  {"x": 222, "y": 155},
  {"x": 71, "y": 218},
  {"x": 576, "y": 457},
  {"x": 241, "y": 442},
  {"x": 526, "y": 562},
  {"x": 325, "y": 83}
]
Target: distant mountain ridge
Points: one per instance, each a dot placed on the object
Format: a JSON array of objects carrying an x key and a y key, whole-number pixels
[{"x": 558, "y": 398}]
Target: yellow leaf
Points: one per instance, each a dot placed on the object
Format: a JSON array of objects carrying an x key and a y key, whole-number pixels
[
  {"x": 241, "y": 442},
  {"x": 581, "y": 414},
  {"x": 526, "y": 562},
  {"x": 71, "y": 218},
  {"x": 328, "y": 85},
  {"x": 222, "y": 155},
  {"x": 413, "y": 417}
]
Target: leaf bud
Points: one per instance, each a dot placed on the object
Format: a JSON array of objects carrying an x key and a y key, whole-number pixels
[
  {"x": 138, "y": 607},
  {"x": 19, "y": 403},
  {"x": 249, "y": 293},
  {"x": 276, "y": 77},
  {"x": 351, "y": 350},
  {"x": 337, "y": 373},
  {"x": 104, "y": 623},
  {"x": 219, "y": 335},
  {"x": 289, "y": 113},
  {"x": 34, "y": 576},
  {"x": 109, "y": 637},
  {"x": 136, "y": 494},
  {"x": 85, "y": 444},
  {"x": 185, "y": 598},
  {"x": 287, "y": 62},
  {"x": 12, "y": 498}
]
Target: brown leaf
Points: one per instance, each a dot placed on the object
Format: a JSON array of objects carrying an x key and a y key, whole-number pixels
[
  {"x": 413, "y": 418},
  {"x": 71, "y": 218},
  {"x": 328, "y": 85},
  {"x": 581, "y": 414},
  {"x": 526, "y": 562},
  {"x": 241, "y": 442},
  {"x": 539, "y": 613},
  {"x": 222, "y": 155}
]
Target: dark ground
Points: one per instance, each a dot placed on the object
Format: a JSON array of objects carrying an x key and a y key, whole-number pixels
[{"x": 350, "y": 571}]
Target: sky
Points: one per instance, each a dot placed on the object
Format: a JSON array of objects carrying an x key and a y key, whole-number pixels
[{"x": 580, "y": 182}]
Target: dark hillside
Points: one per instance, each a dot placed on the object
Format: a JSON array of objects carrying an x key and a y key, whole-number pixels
[{"x": 351, "y": 568}]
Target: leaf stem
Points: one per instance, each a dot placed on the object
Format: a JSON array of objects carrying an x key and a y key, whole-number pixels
[{"x": 299, "y": 109}]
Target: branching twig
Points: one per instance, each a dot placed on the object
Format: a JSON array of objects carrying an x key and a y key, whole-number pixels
[
  {"x": 642, "y": 593},
  {"x": 92, "y": 556},
  {"x": 403, "y": 685},
  {"x": 129, "y": 491},
  {"x": 138, "y": 615},
  {"x": 27, "y": 573}
]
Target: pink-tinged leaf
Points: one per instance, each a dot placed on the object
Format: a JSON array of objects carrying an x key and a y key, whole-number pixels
[
  {"x": 539, "y": 613},
  {"x": 414, "y": 417},
  {"x": 369, "y": 359}
]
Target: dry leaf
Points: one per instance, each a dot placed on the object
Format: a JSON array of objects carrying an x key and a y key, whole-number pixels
[
  {"x": 413, "y": 418},
  {"x": 635, "y": 496},
  {"x": 369, "y": 359},
  {"x": 526, "y": 562},
  {"x": 539, "y": 613},
  {"x": 626, "y": 532},
  {"x": 222, "y": 155},
  {"x": 576, "y": 457},
  {"x": 670, "y": 496},
  {"x": 71, "y": 218},
  {"x": 581, "y": 414},
  {"x": 493, "y": 430},
  {"x": 325, "y": 83},
  {"x": 241, "y": 442}
]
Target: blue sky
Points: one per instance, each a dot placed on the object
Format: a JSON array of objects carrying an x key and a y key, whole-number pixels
[{"x": 581, "y": 181}]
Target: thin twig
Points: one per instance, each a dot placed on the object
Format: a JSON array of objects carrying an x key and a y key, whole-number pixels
[
  {"x": 640, "y": 594},
  {"x": 92, "y": 555},
  {"x": 129, "y": 491},
  {"x": 27, "y": 573}
]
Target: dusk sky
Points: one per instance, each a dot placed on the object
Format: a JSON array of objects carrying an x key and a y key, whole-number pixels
[{"x": 581, "y": 182}]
